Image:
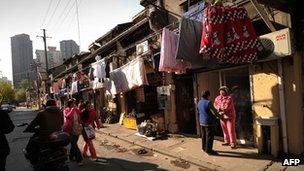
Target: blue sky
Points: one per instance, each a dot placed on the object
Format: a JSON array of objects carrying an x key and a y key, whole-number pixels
[{"x": 27, "y": 16}]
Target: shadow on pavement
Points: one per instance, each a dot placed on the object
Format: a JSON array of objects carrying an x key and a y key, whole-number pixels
[
  {"x": 244, "y": 155},
  {"x": 116, "y": 164}
]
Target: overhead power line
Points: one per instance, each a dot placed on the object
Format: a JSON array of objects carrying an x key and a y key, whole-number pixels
[
  {"x": 69, "y": 24},
  {"x": 47, "y": 12},
  {"x": 52, "y": 16},
  {"x": 64, "y": 18},
  {"x": 62, "y": 13},
  {"x": 69, "y": 21},
  {"x": 78, "y": 24}
]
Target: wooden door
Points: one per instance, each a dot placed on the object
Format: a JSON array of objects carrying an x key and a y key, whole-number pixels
[{"x": 185, "y": 109}]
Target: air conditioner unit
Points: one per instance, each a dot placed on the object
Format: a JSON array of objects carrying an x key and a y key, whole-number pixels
[
  {"x": 142, "y": 48},
  {"x": 277, "y": 43}
]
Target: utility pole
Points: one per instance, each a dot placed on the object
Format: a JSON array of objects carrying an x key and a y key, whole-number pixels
[
  {"x": 35, "y": 66},
  {"x": 44, "y": 37},
  {"x": 45, "y": 53}
]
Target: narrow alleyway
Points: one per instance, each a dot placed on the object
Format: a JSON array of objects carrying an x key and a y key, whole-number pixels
[
  {"x": 114, "y": 154},
  {"x": 188, "y": 149}
]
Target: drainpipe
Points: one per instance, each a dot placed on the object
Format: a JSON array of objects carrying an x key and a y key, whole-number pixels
[{"x": 282, "y": 106}]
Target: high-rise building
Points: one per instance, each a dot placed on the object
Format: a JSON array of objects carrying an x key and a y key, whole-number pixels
[
  {"x": 68, "y": 48},
  {"x": 22, "y": 57},
  {"x": 54, "y": 57}
]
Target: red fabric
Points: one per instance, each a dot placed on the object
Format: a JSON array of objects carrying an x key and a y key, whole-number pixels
[
  {"x": 69, "y": 118},
  {"x": 93, "y": 119},
  {"x": 89, "y": 146},
  {"x": 225, "y": 104},
  {"x": 228, "y": 127},
  {"x": 228, "y": 35}
]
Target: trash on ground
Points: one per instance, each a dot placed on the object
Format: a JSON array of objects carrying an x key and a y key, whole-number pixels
[
  {"x": 142, "y": 152},
  {"x": 181, "y": 163}
]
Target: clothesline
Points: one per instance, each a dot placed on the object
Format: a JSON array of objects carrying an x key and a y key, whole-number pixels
[{"x": 156, "y": 33}]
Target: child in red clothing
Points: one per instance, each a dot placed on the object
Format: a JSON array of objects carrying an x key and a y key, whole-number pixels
[{"x": 89, "y": 119}]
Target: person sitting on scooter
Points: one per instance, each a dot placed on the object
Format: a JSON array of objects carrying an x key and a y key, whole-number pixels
[{"x": 46, "y": 122}]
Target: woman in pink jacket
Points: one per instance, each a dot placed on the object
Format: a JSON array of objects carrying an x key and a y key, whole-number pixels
[
  {"x": 225, "y": 106},
  {"x": 72, "y": 125},
  {"x": 89, "y": 119}
]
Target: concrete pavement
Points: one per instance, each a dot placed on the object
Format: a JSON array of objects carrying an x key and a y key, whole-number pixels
[
  {"x": 118, "y": 147},
  {"x": 189, "y": 149},
  {"x": 119, "y": 155},
  {"x": 18, "y": 140},
  {"x": 115, "y": 154}
]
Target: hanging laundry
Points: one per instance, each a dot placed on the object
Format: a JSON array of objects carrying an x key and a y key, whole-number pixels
[
  {"x": 196, "y": 13},
  {"x": 75, "y": 87},
  {"x": 107, "y": 68},
  {"x": 120, "y": 80},
  {"x": 156, "y": 60},
  {"x": 98, "y": 83},
  {"x": 78, "y": 76},
  {"x": 91, "y": 74},
  {"x": 136, "y": 73},
  {"x": 99, "y": 69},
  {"x": 129, "y": 76},
  {"x": 228, "y": 36},
  {"x": 190, "y": 37},
  {"x": 98, "y": 74},
  {"x": 74, "y": 76},
  {"x": 110, "y": 87},
  {"x": 189, "y": 43},
  {"x": 168, "y": 63}
]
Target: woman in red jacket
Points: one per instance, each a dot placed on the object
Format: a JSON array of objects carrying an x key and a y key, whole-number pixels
[
  {"x": 72, "y": 125},
  {"x": 225, "y": 107},
  {"x": 89, "y": 121}
]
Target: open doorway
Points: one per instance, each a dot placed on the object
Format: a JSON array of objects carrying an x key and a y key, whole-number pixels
[
  {"x": 185, "y": 110},
  {"x": 238, "y": 82}
]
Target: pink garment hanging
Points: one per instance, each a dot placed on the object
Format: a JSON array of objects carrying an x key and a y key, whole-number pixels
[
  {"x": 228, "y": 35},
  {"x": 168, "y": 62}
]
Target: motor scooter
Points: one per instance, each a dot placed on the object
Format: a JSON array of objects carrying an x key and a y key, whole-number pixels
[{"x": 51, "y": 154}]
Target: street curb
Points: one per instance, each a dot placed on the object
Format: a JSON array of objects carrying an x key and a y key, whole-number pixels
[{"x": 167, "y": 153}]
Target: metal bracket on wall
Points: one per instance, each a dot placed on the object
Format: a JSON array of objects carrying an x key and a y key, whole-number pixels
[{"x": 263, "y": 14}]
